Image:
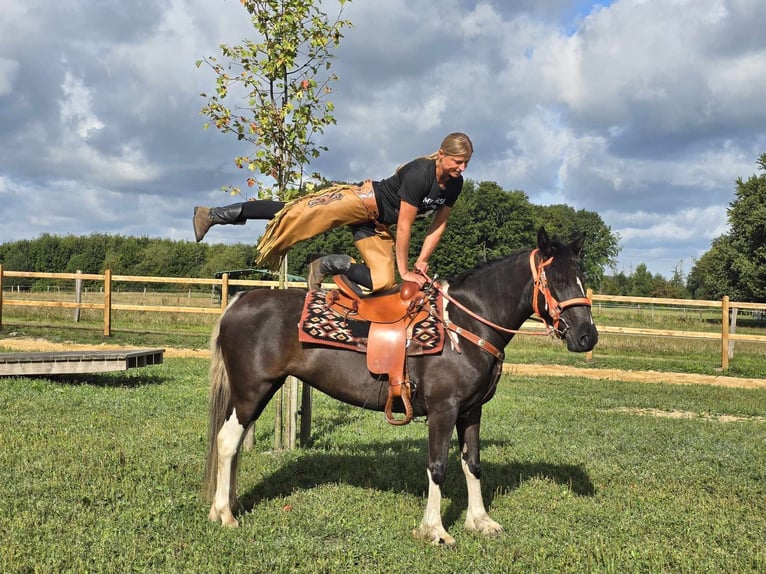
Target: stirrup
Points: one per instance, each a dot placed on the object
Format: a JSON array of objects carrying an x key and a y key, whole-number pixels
[{"x": 404, "y": 393}]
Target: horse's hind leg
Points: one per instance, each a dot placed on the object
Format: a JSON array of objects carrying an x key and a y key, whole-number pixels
[
  {"x": 476, "y": 519},
  {"x": 228, "y": 441}
]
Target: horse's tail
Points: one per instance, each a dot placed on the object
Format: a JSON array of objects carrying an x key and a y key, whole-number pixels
[{"x": 220, "y": 396}]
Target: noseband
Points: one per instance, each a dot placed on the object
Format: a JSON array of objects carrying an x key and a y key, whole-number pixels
[{"x": 553, "y": 307}]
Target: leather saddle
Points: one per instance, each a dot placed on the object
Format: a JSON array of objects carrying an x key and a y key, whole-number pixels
[{"x": 391, "y": 316}]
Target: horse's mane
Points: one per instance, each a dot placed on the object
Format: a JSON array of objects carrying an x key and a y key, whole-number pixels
[
  {"x": 561, "y": 251},
  {"x": 485, "y": 266}
]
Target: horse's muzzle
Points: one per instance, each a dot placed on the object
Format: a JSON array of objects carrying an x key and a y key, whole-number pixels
[{"x": 581, "y": 339}]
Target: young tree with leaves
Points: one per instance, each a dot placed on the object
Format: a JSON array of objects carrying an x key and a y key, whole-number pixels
[{"x": 280, "y": 85}]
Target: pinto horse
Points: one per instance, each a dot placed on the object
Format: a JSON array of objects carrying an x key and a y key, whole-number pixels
[{"x": 255, "y": 347}]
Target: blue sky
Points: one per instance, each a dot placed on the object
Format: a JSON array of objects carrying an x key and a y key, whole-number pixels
[{"x": 645, "y": 111}]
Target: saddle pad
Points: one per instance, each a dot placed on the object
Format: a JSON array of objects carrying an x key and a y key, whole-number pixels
[{"x": 320, "y": 325}]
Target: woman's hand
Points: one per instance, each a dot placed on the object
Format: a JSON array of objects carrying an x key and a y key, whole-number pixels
[
  {"x": 422, "y": 268},
  {"x": 415, "y": 277}
]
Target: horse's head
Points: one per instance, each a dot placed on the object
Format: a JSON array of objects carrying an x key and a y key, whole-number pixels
[{"x": 559, "y": 295}]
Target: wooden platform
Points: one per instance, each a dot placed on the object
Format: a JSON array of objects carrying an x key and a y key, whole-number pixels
[{"x": 65, "y": 362}]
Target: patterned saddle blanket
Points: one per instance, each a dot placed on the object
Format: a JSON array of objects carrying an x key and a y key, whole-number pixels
[{"x": 320, "y": 325}]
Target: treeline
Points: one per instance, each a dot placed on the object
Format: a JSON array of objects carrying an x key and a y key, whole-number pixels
[{"x": 486, "y": 223}]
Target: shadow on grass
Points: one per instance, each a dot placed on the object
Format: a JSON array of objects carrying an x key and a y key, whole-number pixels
[
  {"x": 397, "y": 467},
  {"x": 120, "y": 379}
]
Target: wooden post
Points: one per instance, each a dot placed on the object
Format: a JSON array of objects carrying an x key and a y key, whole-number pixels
[
  {"x": 224, "y": 291},
  {"x": 725, "y": 332},
  {"x": 306, "y": 403},
  {"x": 107, "y": 302},
  {"x": 292, "y": 411},
  {"x": 589, "y": 295},
  {"x": 278, "y": 416},
  {"x": 77, "y": 296},
  {"x": 732, "y": 330},
  {"x": 1, "y": 295}
]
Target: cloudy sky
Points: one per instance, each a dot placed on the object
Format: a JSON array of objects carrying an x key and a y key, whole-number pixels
[{"x": 645, "y": 111}]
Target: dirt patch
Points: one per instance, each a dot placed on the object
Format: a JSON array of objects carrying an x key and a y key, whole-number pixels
[
  {"x": 633, "y": 376},
  {"x": 41, "y": 345},
  {"x": 687, "y": 415}
]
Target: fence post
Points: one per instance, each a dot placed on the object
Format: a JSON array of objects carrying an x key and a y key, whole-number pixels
[
  {"x": 77, "y": 295},
  {"x": 224, "y": 291},
  {"x": 1, "y": 295},
  {"x": 292, "y": 411},
  {"x": 306, "y": 404},
  {"x": 725, "y": 332},
  {"x": 732, "y": 330},
  {"x": 589, "y": 295},
  {"x": 107, "y": 303}
]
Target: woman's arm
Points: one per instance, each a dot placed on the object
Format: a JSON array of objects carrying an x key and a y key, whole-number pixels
[
  {"x": 407, "y": 213},
  {"x": 433, "y": 236}
]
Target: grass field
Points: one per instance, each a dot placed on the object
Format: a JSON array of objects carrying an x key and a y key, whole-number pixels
[{"x": 102, "y": 473}]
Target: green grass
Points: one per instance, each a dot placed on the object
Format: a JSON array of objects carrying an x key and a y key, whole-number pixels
[
  {"x": 101, "y": 473},
  {"x": 643, "y": 353}
]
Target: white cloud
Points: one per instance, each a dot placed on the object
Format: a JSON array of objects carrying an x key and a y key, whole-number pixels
[
  {"x": 77, "y": 116},
  {"x": 644, "y": 111},
  {"x": 8, "y": 71}
]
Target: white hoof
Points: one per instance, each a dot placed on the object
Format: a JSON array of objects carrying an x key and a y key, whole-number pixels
[{"x": 433, "y": 535}]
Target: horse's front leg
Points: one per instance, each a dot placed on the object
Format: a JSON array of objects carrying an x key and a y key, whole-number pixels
[
  {"x": 476, "y": 519},
  {"x": 431, "y": 528}
]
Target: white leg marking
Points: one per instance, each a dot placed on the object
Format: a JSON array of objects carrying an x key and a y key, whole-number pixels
[
  {"x": 431, "y": 529},
  {"x": 228, "y": 443},
  {"x": 477, "y": 519}
]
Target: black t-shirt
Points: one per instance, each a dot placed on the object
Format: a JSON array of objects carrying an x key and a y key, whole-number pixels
[{"x": 416, "y": 184}]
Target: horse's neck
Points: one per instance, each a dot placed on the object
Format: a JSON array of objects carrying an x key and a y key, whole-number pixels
[{"x": 499, "y": 292}]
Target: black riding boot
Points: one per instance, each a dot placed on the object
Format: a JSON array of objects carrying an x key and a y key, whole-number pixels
[
  {"x": 236, "y": 214},
  {"x": 207, "y": 217},
  {"x": 327, "y": 265}
]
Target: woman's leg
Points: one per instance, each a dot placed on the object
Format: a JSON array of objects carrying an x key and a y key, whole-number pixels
[
  {"x": 307, "y": 217},
  {"x": 234, "y": 214},
  {"x": 338, "y": 264},
  {"x": 378, "y": 253}
]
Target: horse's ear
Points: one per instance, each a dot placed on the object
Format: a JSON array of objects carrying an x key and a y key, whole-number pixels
[
  {"x": 544, "y": 243},
  {"x": 576, "y": 245}
]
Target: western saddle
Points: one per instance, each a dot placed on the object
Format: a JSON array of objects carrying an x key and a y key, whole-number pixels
[{"x": 391, "y": 316}]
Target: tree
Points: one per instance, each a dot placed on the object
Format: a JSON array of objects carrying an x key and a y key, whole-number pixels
[
  {"x": 601, "y": 244},
  {"x": 736, "y": 263},
  {"x": 714, "y": 274},
  {"x": 284, "y": 81},
  {"x": 747, "y": 218}
]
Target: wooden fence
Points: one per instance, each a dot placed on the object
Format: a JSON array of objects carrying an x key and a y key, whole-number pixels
[{"x": 724, "y": 306}]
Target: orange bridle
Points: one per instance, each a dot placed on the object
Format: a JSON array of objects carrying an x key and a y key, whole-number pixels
[{"x": 553, "y": 307}]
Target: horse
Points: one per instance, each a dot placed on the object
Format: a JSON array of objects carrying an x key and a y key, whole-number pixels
[{"x": 255, "y": 347}]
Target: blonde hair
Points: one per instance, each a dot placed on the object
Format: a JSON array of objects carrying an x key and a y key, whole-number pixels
[{"x": 455, "y": 144}]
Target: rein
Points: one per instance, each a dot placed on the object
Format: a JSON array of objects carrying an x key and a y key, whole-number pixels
[{"x": 552, "y": 306}]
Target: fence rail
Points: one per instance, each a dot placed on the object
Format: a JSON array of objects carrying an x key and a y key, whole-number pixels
[{"x": 725, "y": 307}]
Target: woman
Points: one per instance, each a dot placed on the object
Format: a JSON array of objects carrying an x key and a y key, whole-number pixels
[{"x": 423, "y": 186}]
